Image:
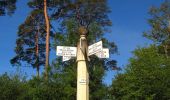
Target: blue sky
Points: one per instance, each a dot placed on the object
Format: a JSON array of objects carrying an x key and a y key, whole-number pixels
[{"x": 129, "y": 19}]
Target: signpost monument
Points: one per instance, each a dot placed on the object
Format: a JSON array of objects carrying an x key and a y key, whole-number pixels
[
  {"x": 82, "y": 70},
  {"x": 82, "y": 52}
]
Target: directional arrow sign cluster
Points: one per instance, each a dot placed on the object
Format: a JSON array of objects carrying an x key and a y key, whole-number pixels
[
  {"x": 66, "y": 52},
  {"x": 96, "y": 48}
]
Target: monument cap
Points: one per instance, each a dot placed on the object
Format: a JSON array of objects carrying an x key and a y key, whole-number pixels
[{"x": 83, "y": 30}]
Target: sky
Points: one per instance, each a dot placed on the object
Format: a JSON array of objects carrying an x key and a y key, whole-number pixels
[{"x": 129, "y": 18}]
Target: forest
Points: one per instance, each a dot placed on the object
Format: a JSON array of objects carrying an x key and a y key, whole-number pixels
[{"x": 52, "y": 23}]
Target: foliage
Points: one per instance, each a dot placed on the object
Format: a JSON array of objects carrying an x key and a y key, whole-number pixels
[
  {"x": 160, "y": 26},
  {"x": 15, "y": 88},
  {"x": 146, "y": 77},
  {"x": 11, "y": 87},
  {"x": 160, "y": 23},
  {"x": 7, "y": 7},
  {"x": 87, "y": 12},
  {"x": 30, "y": 45}
]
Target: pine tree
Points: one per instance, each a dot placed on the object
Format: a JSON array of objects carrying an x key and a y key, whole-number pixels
[
  {"x": 46, "y": 6},
  {"x": 30, "y": 45}
]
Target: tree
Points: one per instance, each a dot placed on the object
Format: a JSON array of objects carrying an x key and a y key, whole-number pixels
[
  {"x": 47, "y": 38},
  {"x": 65, "y": 72},
  {"x": 146, "y": 77},
  {"x": 9, "y": 84},
  {"x": 87, "y": 12},
  {"x": 160, "y": 26},
  {"x": 30, "y": 45},
  {"x": 35, "y": 30},
  {"x": 7, "y": 7}
]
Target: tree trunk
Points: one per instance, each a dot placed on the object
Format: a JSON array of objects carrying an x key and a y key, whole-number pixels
[
  {"x": 37, "y": 53},
  {"x": 47, "y": 39},
  {"x": 166, "y": 50}
]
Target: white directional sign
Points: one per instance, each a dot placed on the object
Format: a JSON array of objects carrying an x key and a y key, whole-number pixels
[
  {"x": 103, "y": 54},
  {"x": 66, "y": 58},
  {"x": 94, "y": 48},
  {"x": 66, "y": 51}
]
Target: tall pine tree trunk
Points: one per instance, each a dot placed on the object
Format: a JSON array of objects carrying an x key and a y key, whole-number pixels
[
  {"x": 37, "y": 53},
  {"x": 47, "y": 39}
]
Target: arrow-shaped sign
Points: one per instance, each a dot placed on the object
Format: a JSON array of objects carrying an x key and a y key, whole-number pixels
[
  {"x": 66, "y": 51},
  {"x": 103, "y": 54},
  {"x": 94, "y": 48},
  {"x": 66, "y": 58}
]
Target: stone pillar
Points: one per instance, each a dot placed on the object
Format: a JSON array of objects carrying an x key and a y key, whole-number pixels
[{"x": 82, "y": 70}]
